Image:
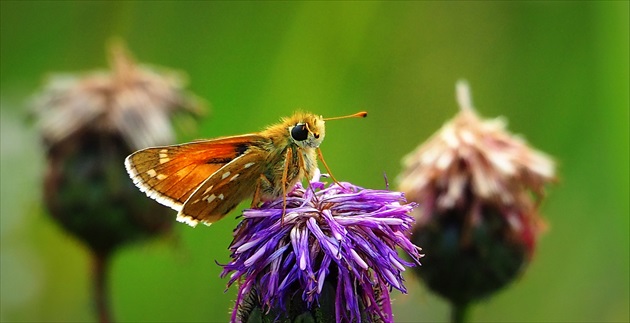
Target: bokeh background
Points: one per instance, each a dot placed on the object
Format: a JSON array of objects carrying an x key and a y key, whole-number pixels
[{"x": 557, "y": 70}]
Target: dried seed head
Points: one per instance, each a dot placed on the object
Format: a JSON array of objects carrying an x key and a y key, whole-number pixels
[
  {"x": 133, "y": 101},
  {"x": 89, "y": 124},
  {"x": 479, "y": 188},
  {"x": 472, "y": 156}
]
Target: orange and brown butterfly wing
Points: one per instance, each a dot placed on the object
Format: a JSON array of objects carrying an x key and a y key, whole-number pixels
[
  {"x": 224, "y": 189},
  {"x": 171, "y": 174}
]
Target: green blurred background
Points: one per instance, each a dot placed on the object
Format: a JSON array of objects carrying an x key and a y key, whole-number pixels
[{"x": 557, "y": 70}]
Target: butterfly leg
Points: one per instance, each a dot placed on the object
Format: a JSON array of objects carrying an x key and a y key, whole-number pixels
[
  {"x": 288, "y": 159},
  {"x": 321, "y": 156},
  {"x": 262, "y": 185},
  {"x": 307, "y": 172},
  {"x": 257, "y": 195}
]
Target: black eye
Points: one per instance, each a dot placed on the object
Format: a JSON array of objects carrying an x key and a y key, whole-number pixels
[{"x": 299, "y": 132}]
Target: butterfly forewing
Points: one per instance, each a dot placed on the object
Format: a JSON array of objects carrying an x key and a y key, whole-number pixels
[
  {"x": 170, "y": 174},
  {"x": 224, "y": 190}
]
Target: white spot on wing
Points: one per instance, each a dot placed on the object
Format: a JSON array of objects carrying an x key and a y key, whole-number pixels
[
  {"x": 149, "y": 191},
  {"x": 151, "y": 172},
  {"x": 234, "y": 177},
  {"x": 161, "y": 176},
  {"x": 248, "y": 165},
  {"x": 208, "y": 189},
  {"x": 211, "y": 198},
  {"x": 225, "y": 175},
  {"x": 221, "y": 197},
  {"x": 164, "y": 156}
]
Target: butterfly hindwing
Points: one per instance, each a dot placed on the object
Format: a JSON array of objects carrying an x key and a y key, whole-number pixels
[
  {"x": 171, "y": 174},
  {"x": 224, "y": 190}
]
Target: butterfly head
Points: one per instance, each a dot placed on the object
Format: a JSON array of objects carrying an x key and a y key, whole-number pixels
[{"x": 307, "y": 131}]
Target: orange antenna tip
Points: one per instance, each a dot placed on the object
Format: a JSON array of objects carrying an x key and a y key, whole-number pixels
[{"x": 361, "y": 114}]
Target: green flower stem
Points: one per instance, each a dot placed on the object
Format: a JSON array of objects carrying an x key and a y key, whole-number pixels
[
  {"x": 101, "y": 294},
  {"x": 460, "y": 312}
]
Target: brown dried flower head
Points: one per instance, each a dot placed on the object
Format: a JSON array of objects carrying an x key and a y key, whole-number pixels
[
  {"x": 89, "y": 124},
  {"x": 472, "y": 156},
  {"x": 132, "y": 100},
  {"x": 478, "y": 188}
]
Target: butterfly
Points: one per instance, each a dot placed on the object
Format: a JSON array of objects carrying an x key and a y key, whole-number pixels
[{"x": 205, "y": 180}]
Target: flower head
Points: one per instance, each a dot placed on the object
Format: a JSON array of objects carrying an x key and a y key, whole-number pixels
[
  {"x": 341, "y": 235},
  {"x": 477, "y": 220},
  {"x": 89, "y": 124},
  {"x": 132, "y": 101}
]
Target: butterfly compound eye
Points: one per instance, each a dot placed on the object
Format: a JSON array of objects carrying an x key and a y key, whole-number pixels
[{"x": 299, "y": 132}]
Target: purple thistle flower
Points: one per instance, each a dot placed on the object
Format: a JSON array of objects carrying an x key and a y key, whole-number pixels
[{"x": 346, "y": 236}]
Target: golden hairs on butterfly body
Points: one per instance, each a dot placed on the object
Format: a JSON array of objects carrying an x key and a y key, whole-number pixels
[{"x": 298, "y": 156}]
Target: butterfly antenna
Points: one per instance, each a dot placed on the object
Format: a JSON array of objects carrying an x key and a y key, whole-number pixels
[{"x": 361, "y": 114}]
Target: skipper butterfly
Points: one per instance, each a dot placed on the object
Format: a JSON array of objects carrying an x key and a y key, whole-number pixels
[{"x": 204, "y": 180}]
